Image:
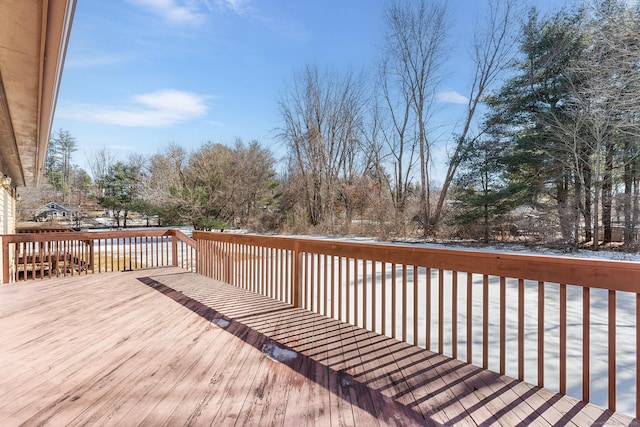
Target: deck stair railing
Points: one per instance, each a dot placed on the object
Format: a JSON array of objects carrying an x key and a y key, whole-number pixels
[
  {"x": 34, "y": 256},
  {"x": 563, "y": 323}
]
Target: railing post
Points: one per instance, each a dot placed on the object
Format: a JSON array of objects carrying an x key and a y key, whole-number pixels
[
  {"x": 174, "y": 248},
  {"x": 297, "y": 276},
  {"x": 5, "y": 261}
]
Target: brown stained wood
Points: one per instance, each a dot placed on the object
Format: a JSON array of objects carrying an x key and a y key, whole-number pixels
[
  {"x": 74, "y": 373},
  {"x": 229, "y": 369},
  {"x": 139, "y": 348},
  {"x": 340, "y": 401},
  {"x": 619, "y": 275},
  {"x": 319, "y": 402},
  {"x": 507, "y": 407},
  {"x": 363, "y": 405},
  {"x": 274, "y": 394},
  {"x": 146, "y": 380},
  {"x": 380, "y": 373},
  {"x": 425, "y": 391}
]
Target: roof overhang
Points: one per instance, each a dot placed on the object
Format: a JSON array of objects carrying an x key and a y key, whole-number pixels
[{"x": 33, "y": 40}]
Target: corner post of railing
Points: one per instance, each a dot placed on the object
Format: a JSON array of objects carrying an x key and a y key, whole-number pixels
[
  {"x": 174, "y": 248},
  {"x": 297, "y": 275},
  {"x": 198, "y": 254},
  {"x": 5, "y": 260}
]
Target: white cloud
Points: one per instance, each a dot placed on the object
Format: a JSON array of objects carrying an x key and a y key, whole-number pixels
[
  {"x": 238, "y": 6},
  {"x": 452, "y": 97},
  {"x": 157, "y": 109},
  {"x": 179, "y": 12}
]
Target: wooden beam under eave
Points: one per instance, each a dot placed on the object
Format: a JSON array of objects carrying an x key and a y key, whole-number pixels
[{"x": 56, "y": 31}]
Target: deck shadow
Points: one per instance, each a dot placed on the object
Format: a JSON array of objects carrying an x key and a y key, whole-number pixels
[
  {"x": 337, "y": 382},
  {"x": 277, "y": 323}
]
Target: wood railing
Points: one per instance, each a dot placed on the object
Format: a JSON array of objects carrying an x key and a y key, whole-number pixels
[
  {"x": 564, "y": 323},
  {"x": 31, "y": 256}
]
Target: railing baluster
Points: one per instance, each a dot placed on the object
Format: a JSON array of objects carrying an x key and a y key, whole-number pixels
[
  {"x": 521, "y": 329},
  {"x": 289, "y": 277},
  {"x": 454, "y": 314},
  {"x": 364, "y": 293},
  {"x": 440, "y": 311},
  {"x": 404, "y": 303},
  {"x": 612, "y": 349},
  {"x": 49, "y": 259},
  {"x": 305, "y": 285},
  {"x": 355, "y": 292},
  {"x": 427, "y": 305},
  {"x": 563, "y": 338},
  {"x": 41, "y": 257},
  {"x": 333, "y": 286},
  {"x": 341, "y": 286},
  {"x": 282, "y": 253},
  {"x": 33, "y": 260},
  {"x": 393, "y": 300},
  {"x": 99, "y": 241},
  {"x": 273, "y": 263},
  {"x": 348, "y": 290},
  {"x": 312, "y": 283},
  {"x": 469, "y": 317},
  {"x": 373, "y": 297},
  {"x": 415, "y": 305},
  {"x": 503, "y": 324},
  {"x": 586, "y": 344},
  {"x": 637, "y": 355},
  {"x": 319, "y": 285},
  {"x": 485, "y": 321},
  {"x": 383, "y": 272},
  {"x": 540, "y": 334},
  {"x": 21, "y": 249}
]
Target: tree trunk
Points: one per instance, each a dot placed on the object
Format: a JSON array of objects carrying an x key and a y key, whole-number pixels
[
  {"x": 587, "y": 205},
  {"x": 628, "y": 188},
  {"x": 562, "y": 195},
  {"x": 607, "y": 194},
  {"x": 635, "y": 208},
  {"x": 577, "y": 208}
]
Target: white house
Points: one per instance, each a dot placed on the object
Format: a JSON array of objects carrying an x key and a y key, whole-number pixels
[{"x": 54, "y": 210}]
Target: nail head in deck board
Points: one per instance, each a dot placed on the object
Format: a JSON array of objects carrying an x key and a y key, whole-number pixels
[{"x": 139, "y": 346}]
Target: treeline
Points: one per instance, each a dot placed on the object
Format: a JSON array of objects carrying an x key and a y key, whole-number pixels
[
  {"x": 562, "y": 132},
  {"x": 546, "y": 146}
]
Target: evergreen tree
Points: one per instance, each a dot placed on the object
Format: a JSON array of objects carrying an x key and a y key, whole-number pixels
[{"x": 58, "y": 167}]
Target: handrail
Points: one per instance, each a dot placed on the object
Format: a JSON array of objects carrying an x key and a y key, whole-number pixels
[
  {"x": 45, "y": 255},
  {"x": 454, "y": 301}
]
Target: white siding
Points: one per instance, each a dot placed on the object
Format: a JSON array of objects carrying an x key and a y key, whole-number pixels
[{"x": 7, "y": 218}]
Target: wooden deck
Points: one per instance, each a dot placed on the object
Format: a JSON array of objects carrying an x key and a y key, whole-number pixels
[{"x": 167, "y": 347}]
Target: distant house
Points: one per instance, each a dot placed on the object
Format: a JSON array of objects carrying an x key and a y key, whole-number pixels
[{"x": 55, "y": 211}]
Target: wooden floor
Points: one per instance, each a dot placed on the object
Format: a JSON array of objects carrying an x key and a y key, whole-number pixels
[{"x": 166, "y": 347}]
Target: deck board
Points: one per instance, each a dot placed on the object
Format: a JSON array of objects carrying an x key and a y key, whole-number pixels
[{"x": 168, "y": 347}]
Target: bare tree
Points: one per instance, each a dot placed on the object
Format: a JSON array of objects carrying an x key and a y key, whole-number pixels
[
  {"x": 411, "y": 70},
  {"x": 322, "y": 114},
  {"x": 100, "y": 162},
  {"x": 493, "y": 51}
]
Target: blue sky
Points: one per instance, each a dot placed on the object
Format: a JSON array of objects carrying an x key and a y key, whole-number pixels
[{"x": 141, "y": 74}]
